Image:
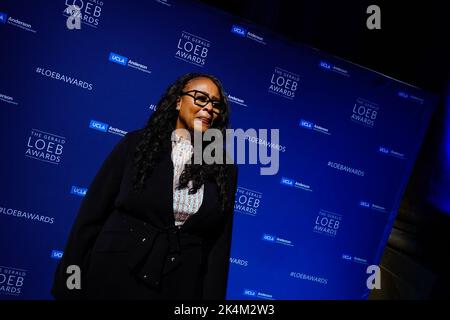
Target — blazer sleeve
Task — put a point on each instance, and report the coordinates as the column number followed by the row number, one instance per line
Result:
column 93, row 212
column 216, row 278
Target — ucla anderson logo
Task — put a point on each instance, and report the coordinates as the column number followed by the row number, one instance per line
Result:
column 56, row 254
column 117, row 58
column 78, row 191
column 97, row 125
column 287, row 181
column 239, row 30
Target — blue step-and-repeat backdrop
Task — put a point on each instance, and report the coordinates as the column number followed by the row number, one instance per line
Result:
column 349, row 138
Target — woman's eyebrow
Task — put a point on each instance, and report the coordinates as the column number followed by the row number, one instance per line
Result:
column 213, row 97
column 207, row 94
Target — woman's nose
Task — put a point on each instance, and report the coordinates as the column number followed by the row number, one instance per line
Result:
column 208, row 106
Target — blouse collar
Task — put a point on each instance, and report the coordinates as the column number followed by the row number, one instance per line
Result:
column 179, row 139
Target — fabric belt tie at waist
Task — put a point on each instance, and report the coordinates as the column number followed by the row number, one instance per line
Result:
column 147, row 259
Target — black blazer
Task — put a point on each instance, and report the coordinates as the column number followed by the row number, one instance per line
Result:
column 127, row 246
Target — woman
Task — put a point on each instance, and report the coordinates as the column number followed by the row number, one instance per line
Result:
column 151, row 225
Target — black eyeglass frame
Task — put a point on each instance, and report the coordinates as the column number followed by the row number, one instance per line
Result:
column 219, row 106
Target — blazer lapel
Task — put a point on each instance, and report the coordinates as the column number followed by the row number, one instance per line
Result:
column 162, row 184
column 163, row 179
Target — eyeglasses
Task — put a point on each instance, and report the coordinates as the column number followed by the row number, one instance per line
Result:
column 201, row 99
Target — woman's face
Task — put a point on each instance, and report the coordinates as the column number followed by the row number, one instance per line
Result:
column 199, row 106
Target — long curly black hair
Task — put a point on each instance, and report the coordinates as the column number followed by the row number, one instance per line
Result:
column 159, row 129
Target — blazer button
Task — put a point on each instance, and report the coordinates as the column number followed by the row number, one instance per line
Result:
column 172, row 259
column 143, row 239
column 131, row 229
column 145, row 276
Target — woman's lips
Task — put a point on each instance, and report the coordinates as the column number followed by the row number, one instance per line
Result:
column 205, row 120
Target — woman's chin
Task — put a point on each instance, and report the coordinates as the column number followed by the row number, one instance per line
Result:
column 202, row 130
column 200, row 126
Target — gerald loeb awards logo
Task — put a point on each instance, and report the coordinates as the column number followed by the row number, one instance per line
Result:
column 44, row 146
column 327, row 223
column 192, row 49
column 11, row 280
column 365, row 112
column 284, row 83
column 82, row 11
column 247, row 201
